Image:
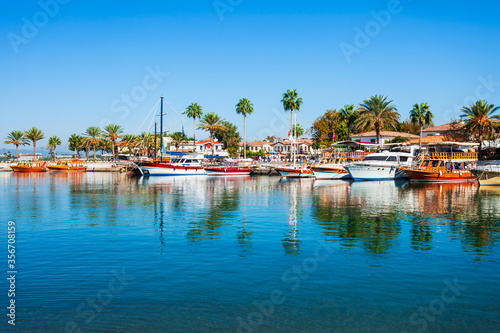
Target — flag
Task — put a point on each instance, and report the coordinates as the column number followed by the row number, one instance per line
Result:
column 334, row 136
column 288, row 134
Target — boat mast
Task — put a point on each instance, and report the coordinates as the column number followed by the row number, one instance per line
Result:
column 156, row 123
column 161, row 129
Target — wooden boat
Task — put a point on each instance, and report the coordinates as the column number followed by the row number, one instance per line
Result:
column 230, row 168
column 330, row 168
column 443, row 167
column 67, row 166
column 487, row 175
column 295, row 171
column 27, row 166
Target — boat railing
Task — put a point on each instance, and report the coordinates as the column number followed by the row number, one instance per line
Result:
column 453, row 156
column 488, row 166
column 352, row 155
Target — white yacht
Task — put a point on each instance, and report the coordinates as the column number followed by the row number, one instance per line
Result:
column 381, row 166
column 186, row 165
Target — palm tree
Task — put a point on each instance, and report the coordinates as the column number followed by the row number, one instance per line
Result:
column 146, row 141
column 244, row 107
column 211, row 122
column 104, row 145
column 194, row 111
column 291, row 101
column 349, row 115
column 34, row 135
column 421, row 115
column 85, row 145
column 377, row 112
column 93, row 134
column 54, row 141
column 17, row 138
column 130, row 142
column 178, row 138
column 75, row 142
column 479, row 118
column 298, row 130
column 113, row 132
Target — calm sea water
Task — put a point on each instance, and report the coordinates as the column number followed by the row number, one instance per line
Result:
column 107, row 253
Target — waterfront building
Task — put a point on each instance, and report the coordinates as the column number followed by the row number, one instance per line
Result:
column 371, row 136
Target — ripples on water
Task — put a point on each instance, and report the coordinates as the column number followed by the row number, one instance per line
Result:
column 209, row 254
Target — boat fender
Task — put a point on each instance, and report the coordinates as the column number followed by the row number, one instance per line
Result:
column 185, row 169
column 392, row 168
column 440, row 173
column 174, row 169
column 460, row 173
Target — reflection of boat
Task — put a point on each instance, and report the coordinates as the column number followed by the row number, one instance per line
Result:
column 186, row 165
column 295, row 171
column 487, row 174
column 29, row 167
column 380, row 166
column 330, row 168
column 68, row 166
column 442, row 166
column 230, row 168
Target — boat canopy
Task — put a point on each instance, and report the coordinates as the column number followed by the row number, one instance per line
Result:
column 354, row 144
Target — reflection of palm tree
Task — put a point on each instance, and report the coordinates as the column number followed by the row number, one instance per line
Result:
column 421, row 236
column 291, row 244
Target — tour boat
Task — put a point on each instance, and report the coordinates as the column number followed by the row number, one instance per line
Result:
column 67, row 166
column 230, row 168
column 330, row 168
column 27, row 166
column 381, row 166
column 440, row 166
column 186, row 165
column 295, row 171
column 487, row 174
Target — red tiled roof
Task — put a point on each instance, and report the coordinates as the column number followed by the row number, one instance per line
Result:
column 432, row 139
column 384, row 133
column 440, row 128
column 257, row 143
column 208, row 141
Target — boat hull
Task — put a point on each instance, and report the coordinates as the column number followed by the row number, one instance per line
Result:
column 370, row 172
column 423, row 176
column 294, row 173
column 487, row 178
column 63, row 169
column 221, row 171
column 329, row 173
column 27, row 169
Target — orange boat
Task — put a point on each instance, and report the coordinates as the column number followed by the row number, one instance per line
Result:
column 443, row 167
column 27, row 166
column 295, row 172
column 68, row 166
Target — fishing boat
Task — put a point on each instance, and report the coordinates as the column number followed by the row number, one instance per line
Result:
column 487, row 174
column 67, row 166
column 297, row 171
column 29, row 166
column 230, row 168
column 381, row 166
column 331, row 165
column 185, row 165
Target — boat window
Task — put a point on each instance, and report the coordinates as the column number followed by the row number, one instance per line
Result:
column 435, row 163
column 403, row 158
column 375, row 158
column 392, row 159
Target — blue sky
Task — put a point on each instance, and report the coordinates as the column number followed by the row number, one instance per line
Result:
column 72, row 65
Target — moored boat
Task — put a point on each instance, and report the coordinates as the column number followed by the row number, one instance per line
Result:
column 295, row 171
column 487, row 174
column 186, row 165
column 441, row 166
column 29, row 166
column 230, row 168
column 67, row 166
column 330, row 168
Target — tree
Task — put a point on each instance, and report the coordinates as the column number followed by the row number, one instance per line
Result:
column 130, row 142
column 349, row 116
column 146, row 142
column 104, row 145
column 34, row 135
column 113, row 132
column 377, row 112
column 298, row 130
column 178, row 138
column 211, row 122
column 323, row 127
column 421, row 115
column 194, row 111
column 479, row 119
column 244, row 107
column 229, row 136
column 272, row 139
column 75, row 142
column 93, row 134
column 16, row 138
column 291, row 101
column 54, row 141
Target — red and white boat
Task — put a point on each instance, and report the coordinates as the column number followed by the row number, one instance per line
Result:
column 230, row 168
column 186, row 165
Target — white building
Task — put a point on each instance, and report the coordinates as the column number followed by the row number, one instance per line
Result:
column 304, row 146
column 371, row 136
